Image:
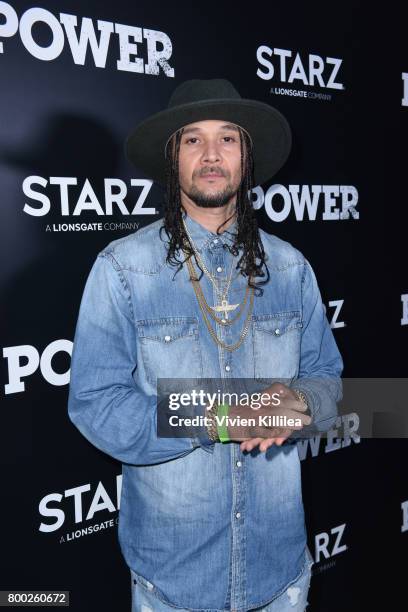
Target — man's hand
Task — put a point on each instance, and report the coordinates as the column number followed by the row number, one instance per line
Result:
column 289, row 407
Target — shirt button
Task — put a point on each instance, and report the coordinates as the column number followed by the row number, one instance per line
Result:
column 238, row 515
column 238, row 463
column 215, row 241
column 277, row 332
column 219, row 269
column 227, row 367
column 167, row 338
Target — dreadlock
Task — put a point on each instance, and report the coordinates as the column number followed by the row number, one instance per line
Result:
column 247, row 235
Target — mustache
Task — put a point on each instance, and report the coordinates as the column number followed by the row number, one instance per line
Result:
column 211, row 170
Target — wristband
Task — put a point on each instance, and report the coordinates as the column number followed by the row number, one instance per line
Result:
column 223, row 410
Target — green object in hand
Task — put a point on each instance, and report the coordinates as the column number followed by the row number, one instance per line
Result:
column 223, row 410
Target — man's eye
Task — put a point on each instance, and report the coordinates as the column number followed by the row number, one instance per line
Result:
column 227, row 138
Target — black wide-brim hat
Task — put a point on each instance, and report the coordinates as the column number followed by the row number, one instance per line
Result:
column 200, row 100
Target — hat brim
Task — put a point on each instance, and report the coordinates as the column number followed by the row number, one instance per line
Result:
column 268, row 128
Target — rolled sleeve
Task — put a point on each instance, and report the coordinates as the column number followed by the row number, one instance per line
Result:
column 321, row 364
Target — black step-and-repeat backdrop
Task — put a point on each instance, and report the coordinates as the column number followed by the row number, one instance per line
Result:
column 75, row 79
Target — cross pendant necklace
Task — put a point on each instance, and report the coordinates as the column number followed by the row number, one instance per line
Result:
column 224, row 307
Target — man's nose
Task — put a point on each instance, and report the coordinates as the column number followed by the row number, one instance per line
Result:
column 211, row 153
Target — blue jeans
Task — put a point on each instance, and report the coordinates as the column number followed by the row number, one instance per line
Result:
column 293, row 599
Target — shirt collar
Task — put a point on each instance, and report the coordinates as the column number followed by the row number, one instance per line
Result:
column 202, row 237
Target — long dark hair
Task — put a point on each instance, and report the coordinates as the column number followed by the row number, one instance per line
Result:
column 247, row 235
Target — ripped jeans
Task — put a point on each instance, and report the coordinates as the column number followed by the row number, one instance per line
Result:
column 294, row 599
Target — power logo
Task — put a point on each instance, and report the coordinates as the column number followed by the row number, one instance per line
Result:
column 306, row 201
column 343, row 432
column 17, row 369
column 128, row 40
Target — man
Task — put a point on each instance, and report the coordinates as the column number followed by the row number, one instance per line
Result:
column 213, row 521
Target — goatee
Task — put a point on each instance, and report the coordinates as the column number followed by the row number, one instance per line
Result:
column 211, row 200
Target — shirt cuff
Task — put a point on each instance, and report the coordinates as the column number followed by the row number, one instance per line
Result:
column 198, row 436
column 202, row 438
column 312, row 406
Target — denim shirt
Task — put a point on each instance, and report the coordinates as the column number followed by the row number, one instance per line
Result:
column 206, row 526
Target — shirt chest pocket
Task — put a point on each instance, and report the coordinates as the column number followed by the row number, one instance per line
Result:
column 170, row 348
column 276, row 342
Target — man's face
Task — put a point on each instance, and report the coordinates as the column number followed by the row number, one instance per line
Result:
column 210, row 163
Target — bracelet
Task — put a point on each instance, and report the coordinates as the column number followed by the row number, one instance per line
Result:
column 212, row 428
column 302, row 397
column 223, row 410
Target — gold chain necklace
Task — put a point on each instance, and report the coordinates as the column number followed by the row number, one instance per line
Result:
column 202, row 302
column 224, row 306
column 210, row 309
column 221, row 295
